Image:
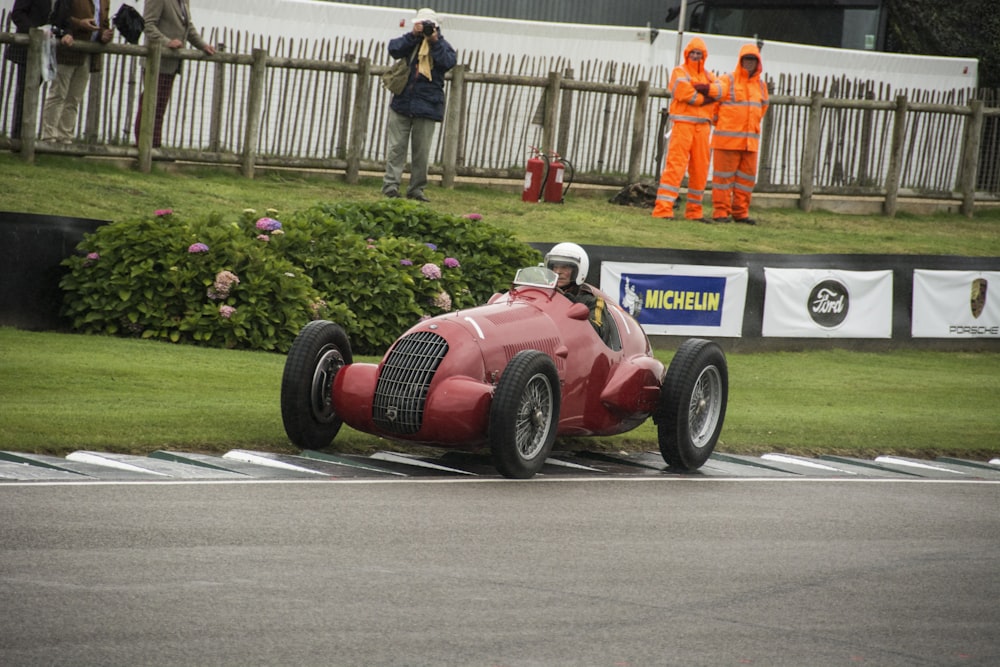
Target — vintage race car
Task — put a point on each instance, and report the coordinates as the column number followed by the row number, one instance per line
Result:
column 511, row 375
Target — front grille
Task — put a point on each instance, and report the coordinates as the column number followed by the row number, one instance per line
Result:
column 406, row 376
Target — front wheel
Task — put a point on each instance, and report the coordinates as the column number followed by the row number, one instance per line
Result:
column 693, row 402
column 524, row 415
column 307, row 408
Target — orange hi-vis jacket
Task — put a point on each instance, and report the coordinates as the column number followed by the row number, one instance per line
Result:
column 687, row 105
column 742, row 104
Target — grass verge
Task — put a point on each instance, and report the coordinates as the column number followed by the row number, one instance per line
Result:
column 64, row 392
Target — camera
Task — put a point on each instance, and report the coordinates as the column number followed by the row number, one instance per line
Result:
column 429, row 28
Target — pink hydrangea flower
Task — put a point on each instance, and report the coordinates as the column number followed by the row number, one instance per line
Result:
column 224, row 281
column 197, row 247
column 443, row 301
column 451, row 263
column 432, row 271
column 473, row 216
column 268, row 224
column 263, row 237
column 93, row 256
column 161, row 212
column 226, row 311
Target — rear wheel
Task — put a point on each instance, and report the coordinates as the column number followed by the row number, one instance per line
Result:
column 307, row 407
column 693, row 403
column 524, row 415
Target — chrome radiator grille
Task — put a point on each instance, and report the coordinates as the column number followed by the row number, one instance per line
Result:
column 402, row 386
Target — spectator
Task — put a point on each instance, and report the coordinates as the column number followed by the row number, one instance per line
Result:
column 73, row 20
column 169, row 23
column 27, row 14
column 414, row 113
column 742, row 104
column 693, row 89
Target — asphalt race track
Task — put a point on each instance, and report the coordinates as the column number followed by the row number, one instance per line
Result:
column 616, row 562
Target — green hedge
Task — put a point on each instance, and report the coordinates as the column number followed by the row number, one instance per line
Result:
column 254, row 282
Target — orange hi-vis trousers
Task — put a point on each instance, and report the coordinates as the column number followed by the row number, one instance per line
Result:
column 734, row 175
column 687, row 152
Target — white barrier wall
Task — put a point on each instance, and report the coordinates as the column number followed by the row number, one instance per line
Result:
column 576, row 43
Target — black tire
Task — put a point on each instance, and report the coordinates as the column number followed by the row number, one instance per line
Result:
column 319, row 351
column 524, row 415
column 693, row 403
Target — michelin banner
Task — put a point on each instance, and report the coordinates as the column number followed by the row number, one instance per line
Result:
column 956, row 304
column 827, row 303
column 679, row 300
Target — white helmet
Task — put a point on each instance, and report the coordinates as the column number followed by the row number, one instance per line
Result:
column 573, row 255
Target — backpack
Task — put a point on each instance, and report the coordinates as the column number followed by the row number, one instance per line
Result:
column 129, row 23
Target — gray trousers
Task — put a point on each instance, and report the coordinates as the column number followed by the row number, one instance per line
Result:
column 418, row 133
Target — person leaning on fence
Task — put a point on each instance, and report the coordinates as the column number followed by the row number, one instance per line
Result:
column 693, row 90
column 169, row 23
column 73, row 21
column 26, row 14
column 414, row 113
column 735, row 142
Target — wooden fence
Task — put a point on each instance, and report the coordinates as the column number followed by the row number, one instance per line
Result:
column 319, row 105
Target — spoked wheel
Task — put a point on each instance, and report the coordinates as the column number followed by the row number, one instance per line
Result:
column 319, row 351
column 693, row 403
column 524, row 415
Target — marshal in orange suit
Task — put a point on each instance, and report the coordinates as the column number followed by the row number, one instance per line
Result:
column 693, row 91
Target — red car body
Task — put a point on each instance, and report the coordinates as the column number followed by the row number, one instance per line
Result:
column 604, row 391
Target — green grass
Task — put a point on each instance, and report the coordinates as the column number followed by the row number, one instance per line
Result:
column 65, row 392
column 95, row 189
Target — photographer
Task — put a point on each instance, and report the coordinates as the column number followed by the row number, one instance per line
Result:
column 414, row 112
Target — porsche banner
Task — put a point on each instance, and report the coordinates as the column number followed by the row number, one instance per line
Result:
column 956, row 304
column 827, row 303
column 679, row 300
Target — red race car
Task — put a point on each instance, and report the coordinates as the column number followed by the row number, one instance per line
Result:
column 511, row 375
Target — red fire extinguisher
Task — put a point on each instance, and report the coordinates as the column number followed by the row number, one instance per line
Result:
column 535, row 176
column 553, row 192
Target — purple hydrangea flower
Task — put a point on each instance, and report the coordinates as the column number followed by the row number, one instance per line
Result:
column 431, row 246
column 451, row 263
column 406, row 262
column 268, row 224
column 197, row 247
column 432, row 271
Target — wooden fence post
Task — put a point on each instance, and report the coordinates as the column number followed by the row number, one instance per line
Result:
column 638, row 131
column 810, row 152
column 865, row 145
column 255, row 103
column 970, row 160
column 765, row 167
column 346, row 98
column 91, row 126
column 565, row 117
column 218, row 93
column 452, row 124
column 150, row 86
column 32, row 94
column 359, row 122
column 894, row 173
column 551, row 109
